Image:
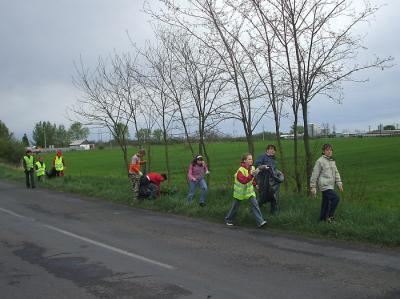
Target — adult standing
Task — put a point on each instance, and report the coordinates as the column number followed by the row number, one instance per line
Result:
column 266, row 162
column 59, row 163
column 135, row 173
column 28, row 162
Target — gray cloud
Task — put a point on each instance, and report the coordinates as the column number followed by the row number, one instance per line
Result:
column 41, row 39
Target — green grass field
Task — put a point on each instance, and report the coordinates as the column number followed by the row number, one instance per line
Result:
column 368, row 212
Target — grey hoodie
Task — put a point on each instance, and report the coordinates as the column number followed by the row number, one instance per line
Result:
column 326, row 174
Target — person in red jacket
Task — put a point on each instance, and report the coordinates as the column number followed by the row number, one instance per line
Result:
column 156, row 179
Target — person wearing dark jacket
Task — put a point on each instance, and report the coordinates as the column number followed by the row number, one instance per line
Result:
column 269, row 178
column 28, row 162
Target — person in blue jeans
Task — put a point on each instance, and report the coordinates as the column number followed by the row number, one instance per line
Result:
column 197, row 170
column 325, row 176
column 243, row 190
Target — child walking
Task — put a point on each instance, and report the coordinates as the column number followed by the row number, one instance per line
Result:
column 243, row 189
column 197, row 170
column 326, row 175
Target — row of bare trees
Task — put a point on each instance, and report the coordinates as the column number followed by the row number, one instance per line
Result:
column 213, row 60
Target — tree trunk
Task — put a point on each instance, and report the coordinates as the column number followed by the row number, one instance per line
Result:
column 148, row 159
column 166, row 155
column 250, row 142
column 296, row 155
column 307, row 149
column 281, row 153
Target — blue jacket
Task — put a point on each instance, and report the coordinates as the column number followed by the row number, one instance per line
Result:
column 264, row 159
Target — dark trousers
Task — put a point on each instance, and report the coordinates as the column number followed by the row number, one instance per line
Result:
column 30, row 178
column 269, row 197
column 266, row 194
column 330, row 200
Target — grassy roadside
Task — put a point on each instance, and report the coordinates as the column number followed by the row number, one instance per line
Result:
column 367, row 222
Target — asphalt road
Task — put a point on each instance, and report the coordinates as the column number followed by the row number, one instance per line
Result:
column 57, row 245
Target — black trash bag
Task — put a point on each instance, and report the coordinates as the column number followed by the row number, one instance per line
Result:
column 51, row 173
column 149, row 191
column 146, row 188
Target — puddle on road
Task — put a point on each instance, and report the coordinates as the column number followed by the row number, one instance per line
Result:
column 96, row 278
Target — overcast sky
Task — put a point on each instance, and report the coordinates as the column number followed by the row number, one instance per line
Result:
column 41, row 39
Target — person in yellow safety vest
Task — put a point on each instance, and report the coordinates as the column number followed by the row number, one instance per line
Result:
column 40, row 169
column 28, row 161
column 59, row 164
column 243, row 189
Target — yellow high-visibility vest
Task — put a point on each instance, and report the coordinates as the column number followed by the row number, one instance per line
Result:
column 28, row 162
column 41, row 168
column 243, row 191
column 58, row 164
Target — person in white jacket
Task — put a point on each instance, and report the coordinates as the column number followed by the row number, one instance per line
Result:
column 325, row 175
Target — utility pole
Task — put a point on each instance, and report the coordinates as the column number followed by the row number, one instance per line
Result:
column 44, row 134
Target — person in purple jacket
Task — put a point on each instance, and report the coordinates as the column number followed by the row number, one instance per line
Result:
column 197, row 170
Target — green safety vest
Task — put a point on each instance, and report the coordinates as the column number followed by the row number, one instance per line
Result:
column 28, row 162
column 41, row 168
column 59, row 164
column 243, row 191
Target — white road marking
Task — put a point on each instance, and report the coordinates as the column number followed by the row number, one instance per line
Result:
column 112, row 248
column 14, row 214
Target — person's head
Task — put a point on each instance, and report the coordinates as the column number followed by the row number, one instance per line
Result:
column 141, row 153
column 164, row 176
column 29, row 152
column 270, row 150
column 198, row 159
column 59, row 153
column 327, row 150
column 248, row 159
column 40, row 158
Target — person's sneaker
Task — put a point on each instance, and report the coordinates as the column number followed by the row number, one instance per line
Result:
column 228, row 223
column 202, row 204
column 330, row 219
column 262, row 224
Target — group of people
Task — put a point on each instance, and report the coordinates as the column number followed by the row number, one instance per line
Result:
column 264, row 176
column 261, row 176
column 35, row 168
column 144, row 185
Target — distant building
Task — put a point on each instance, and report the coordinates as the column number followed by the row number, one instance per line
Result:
column 313, row 130
column 382, row 133
column 80, row 144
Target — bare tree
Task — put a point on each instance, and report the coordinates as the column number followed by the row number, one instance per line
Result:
column 105, row 99
column 151, row 76
column 324, row 50
column 218, row 28
column 199, row 71
column 149, row 116
column 264, row 52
